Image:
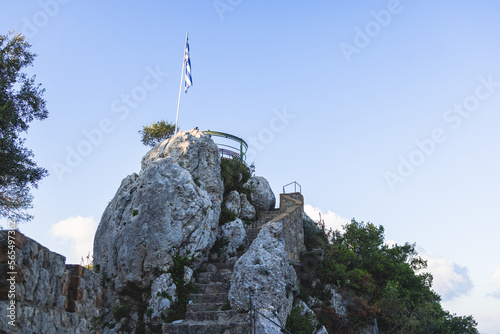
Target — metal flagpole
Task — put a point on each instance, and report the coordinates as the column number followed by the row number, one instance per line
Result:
column 180, row 88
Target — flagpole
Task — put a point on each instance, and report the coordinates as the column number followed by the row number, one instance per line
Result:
column 180, row 87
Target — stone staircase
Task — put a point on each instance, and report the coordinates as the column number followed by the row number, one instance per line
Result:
column 208, row 311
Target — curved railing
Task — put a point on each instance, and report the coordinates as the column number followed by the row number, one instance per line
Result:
column 227, row 146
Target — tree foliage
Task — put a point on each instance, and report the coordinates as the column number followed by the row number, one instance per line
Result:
column 234, row 174
column 377, row 280
column 156, row 133
column 21, row 101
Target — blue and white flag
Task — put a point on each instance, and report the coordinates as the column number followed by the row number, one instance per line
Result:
column 188, row 81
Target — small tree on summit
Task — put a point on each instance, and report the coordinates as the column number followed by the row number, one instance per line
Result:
column 156, row 132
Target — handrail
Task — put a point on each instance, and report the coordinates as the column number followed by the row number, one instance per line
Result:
column 252, row 317
column 272, row 321
column 232, row 151
column 295, row 187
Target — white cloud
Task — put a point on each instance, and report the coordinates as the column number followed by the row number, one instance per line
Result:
column 79, row 231
column 450, row 279
column 332, row 220
column 495, row 279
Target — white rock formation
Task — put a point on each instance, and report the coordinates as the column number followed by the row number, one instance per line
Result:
column 261, row 193
column 235, row 233
column 264, row 272
column 172, row 205
column 233, row 202
column 163, row 294
column 247, row 211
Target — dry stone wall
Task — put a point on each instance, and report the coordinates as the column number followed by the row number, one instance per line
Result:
column 50, row 296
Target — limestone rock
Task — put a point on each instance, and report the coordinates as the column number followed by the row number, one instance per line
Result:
column 247, row 211
column 305, row 310
column 172, row 205
column 322, row 330
column 234, row 232
column 194, row 151
column 163, row 295
column 264, row 325
column 233, row 202
column 264, row 272
column 338, row 303
column 261, row 193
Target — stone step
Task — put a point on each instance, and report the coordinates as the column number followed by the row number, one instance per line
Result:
column 208, row 277
column 197, row 307
column 208, row 298
column 207, row 327
column 212, row 287
column 211, row 267
column 211, row 315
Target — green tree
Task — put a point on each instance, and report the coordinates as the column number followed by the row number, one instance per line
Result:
column 156, row 132
column 21, row 101
column 378, row 281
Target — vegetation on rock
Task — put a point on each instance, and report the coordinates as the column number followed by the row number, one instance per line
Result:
column 376, row 281
column 234, row 174
column 156, row 132
column 300, row 322
column 183, row 288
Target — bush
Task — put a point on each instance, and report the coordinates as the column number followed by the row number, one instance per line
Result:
column 298, row 323
column 226, row 216
column 156, row 133
column 376, row 281
column 122, row 311
column 219, row 246
column 234, row 174
column 183, row 288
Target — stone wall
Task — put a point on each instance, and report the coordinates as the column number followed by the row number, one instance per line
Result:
column 291, row 209
column 50, row 296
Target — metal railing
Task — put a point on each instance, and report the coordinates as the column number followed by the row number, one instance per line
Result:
column 253, row 312
column 238, row 151
column 295, row 184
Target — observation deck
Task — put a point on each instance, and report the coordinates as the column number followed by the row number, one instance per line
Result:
column 229, row 145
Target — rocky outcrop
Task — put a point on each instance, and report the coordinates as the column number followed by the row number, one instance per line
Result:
column 239, row 204
column 195, row 152
column 235, row 234
column 261, row 193
column 172, row 206
column 163, row 295
column 263, row 272
column 247, row 210
column 233, row 202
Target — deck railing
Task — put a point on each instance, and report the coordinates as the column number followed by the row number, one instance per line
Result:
column 230, row 145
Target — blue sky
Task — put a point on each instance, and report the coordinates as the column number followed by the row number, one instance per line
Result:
column 385, row 111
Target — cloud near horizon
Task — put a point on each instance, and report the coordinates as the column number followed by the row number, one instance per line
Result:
column 450, row 279
column 332, row 220
column 495, row 279
column 79, row 231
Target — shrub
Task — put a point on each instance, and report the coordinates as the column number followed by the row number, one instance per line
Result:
column 226, row 216
column 156, row 133
column 219, row 246
column 299, row 323
column 184, row 289
column 234, row 174
column 122, row 311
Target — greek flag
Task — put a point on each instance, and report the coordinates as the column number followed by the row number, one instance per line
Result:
column 188, row 81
